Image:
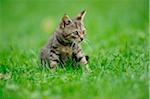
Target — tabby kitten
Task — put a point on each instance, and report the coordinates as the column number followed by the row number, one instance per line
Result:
column 65, row 43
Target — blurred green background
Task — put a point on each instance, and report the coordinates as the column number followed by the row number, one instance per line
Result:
column 117, row 43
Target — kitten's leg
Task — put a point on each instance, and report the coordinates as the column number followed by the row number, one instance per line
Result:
column 85, row 64
column 53, row 64
column 53, row 59
column 80, row 57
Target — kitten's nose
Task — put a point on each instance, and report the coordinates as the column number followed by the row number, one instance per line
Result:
column 81, row 39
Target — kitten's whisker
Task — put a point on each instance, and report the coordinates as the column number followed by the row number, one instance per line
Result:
column 86, row 41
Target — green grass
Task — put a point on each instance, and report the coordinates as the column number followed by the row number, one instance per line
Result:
column 117, row 33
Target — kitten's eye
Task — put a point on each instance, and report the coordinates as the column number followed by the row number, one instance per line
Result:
column 76, row 33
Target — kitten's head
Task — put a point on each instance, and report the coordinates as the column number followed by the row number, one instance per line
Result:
column 73, row 29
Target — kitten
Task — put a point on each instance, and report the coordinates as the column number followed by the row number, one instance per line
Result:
column 65, row 43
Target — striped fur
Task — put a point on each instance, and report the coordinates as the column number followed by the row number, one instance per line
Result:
column 65, row 43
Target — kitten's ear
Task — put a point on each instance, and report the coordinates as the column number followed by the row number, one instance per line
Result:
column 65, row 20
column 80, row 17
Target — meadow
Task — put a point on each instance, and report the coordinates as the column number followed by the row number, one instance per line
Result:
column 116, row 42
